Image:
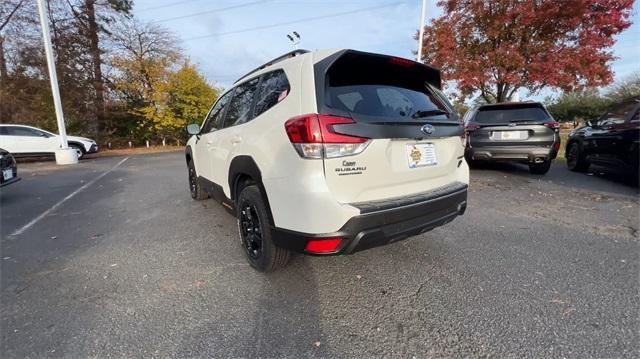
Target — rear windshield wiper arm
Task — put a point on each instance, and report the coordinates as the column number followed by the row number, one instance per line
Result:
column 429, row 113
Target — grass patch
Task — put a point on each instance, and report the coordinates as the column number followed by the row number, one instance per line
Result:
column 135, row 151
column 564, row 134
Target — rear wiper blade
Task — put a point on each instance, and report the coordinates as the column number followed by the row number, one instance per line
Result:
column 429, row 113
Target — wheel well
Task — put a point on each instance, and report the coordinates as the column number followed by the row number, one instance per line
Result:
column 187, row 155
column 77, row 144
column 241, row 181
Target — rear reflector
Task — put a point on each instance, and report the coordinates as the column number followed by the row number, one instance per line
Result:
column 324, row 245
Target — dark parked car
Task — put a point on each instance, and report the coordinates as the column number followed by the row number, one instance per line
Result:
column 516, row 132
column 611, row 140
column 8, row 167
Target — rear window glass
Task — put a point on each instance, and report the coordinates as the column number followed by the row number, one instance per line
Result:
column 513, row 114
column 376, row 89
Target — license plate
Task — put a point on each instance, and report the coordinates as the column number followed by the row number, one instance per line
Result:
column 421, row 154
column 510, row 135
column 7, row 174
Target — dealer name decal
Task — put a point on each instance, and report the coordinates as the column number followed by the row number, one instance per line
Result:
column 350, row 168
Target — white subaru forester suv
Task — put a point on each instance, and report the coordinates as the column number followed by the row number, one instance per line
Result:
column 331, row 152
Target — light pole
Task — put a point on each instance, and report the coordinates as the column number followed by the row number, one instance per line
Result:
column 64, row 155
column 421, row 31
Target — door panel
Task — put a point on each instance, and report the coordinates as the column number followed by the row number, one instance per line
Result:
column 607, row 139
column 28, row 140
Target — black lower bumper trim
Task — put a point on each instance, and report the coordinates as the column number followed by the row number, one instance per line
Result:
column 512, row 153
column 380, row 227
column 8, row 182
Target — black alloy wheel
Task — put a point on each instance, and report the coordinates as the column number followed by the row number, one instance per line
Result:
column 250, row 230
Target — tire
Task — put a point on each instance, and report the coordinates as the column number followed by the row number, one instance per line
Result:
column 575, row 158
column 540, row 168
column 79, row 150
column 255, row 234
column 197, row 192
column 472, row 164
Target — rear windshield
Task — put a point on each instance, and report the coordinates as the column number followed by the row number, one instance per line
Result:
column 511, row 114
column 375, row 89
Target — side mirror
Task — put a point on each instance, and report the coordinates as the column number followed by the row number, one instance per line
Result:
column 193, row 129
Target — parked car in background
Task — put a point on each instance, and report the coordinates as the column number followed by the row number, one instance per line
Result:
column 521, row 132
column 23, row 141
column 611, row 140
column 8, row 168
column 330, row 152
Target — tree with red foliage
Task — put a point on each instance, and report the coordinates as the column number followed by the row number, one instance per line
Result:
column 495, row 47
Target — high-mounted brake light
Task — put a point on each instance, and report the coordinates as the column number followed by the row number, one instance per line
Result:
column 314, row 136
column 402, row 62
column 323, row 245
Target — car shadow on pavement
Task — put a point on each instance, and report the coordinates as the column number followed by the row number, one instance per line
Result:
column 599, row 179
column 276, row 316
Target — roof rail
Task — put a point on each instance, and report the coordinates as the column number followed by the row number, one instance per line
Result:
column 277, row 59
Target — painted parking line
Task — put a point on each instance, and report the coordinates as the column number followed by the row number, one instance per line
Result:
column 71, row 195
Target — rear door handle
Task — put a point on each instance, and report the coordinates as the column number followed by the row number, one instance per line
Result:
column 236, row 139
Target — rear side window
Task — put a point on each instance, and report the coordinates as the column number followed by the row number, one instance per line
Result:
column 511, row 114
column 3, row 130
column 273, row 89
column 378, row 89
column 214, row 119
column 23, row 131
column 240, row 106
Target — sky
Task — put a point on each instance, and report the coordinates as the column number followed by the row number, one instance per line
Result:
column 228, row 38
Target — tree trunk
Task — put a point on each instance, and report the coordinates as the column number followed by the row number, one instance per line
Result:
column 98, row 84
column 3, row 62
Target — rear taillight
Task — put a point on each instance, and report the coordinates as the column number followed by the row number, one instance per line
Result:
column 314, row 136
column 554, row 125
column 323, row 245
column 465, row 133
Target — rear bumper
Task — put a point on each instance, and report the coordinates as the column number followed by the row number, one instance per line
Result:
column 383, row 222
column 511, row 153
column 13, row 179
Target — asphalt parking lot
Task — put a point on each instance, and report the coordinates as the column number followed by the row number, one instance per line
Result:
column 130, row 266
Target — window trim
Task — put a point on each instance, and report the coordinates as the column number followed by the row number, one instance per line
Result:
column 224, row 112
column 253, row 102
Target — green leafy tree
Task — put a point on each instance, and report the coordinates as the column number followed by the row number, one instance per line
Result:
column 577, row 106
column 184, row 97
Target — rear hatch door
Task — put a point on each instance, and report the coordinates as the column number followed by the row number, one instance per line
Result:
column 414, row 133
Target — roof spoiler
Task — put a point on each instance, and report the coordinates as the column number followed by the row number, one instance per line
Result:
column 288, row 55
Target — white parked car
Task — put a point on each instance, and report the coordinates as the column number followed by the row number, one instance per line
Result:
column 23, row 140
column 331, row 152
